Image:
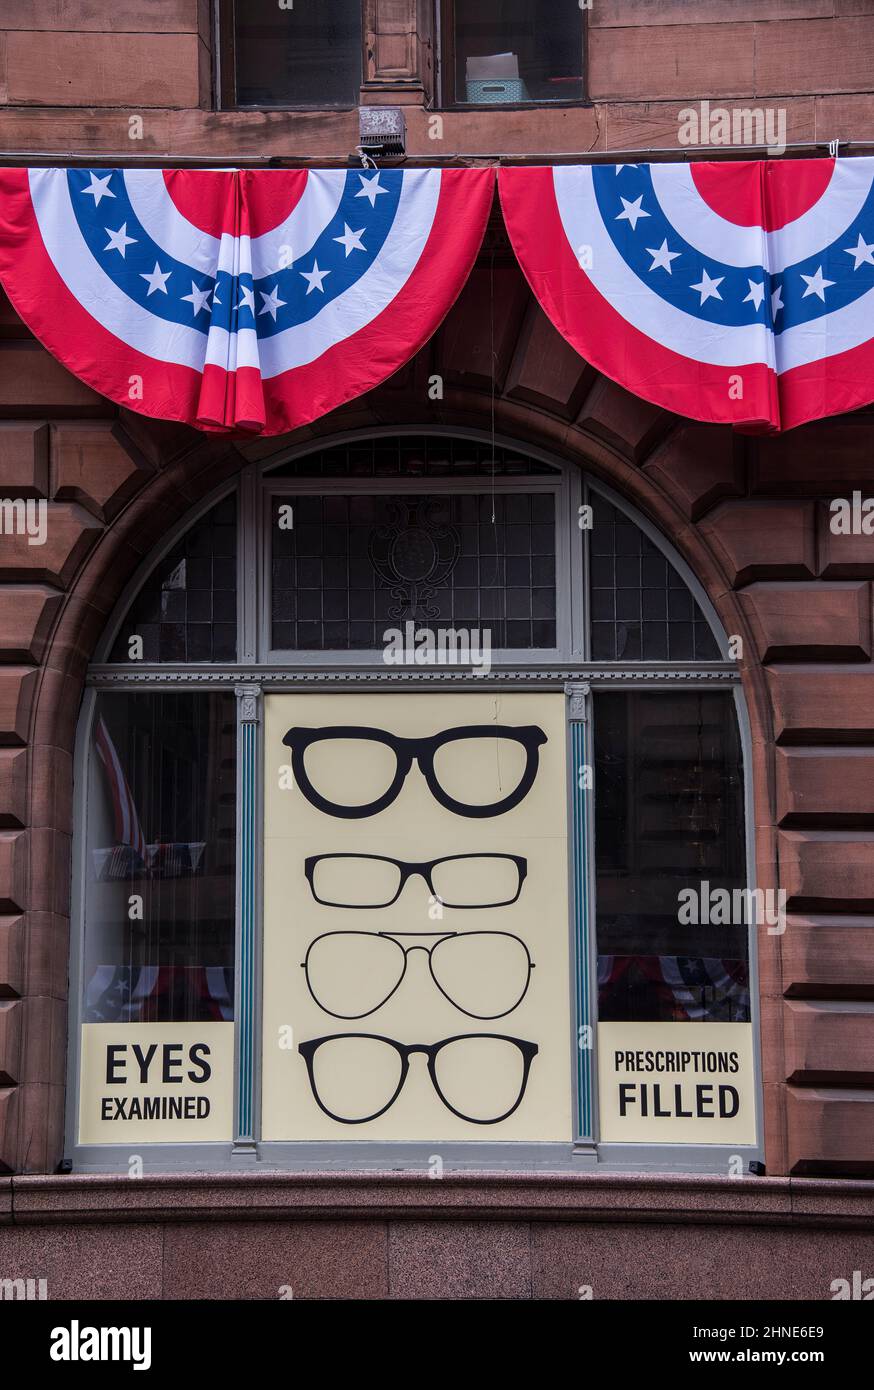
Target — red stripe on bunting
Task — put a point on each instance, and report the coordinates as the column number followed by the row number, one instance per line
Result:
column 831, row 386
column 371, row 356
column 54, row 316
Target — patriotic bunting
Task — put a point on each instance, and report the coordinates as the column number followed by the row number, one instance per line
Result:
column 739, row 293
column 237, row 300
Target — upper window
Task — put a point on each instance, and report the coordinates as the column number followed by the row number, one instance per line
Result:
column 305, row 54
column 503, row 52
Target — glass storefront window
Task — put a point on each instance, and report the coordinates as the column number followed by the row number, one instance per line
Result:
column 327, row 901
column 157, row 1034
column 669, row 819
column 675, row 1039
column 159, row 891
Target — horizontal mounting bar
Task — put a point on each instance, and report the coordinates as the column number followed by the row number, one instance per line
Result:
column 93, row 159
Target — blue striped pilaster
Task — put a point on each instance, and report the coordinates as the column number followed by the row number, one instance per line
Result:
column 248, row 787
column 581, row 810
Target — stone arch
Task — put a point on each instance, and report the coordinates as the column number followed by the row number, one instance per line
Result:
column 673, row 473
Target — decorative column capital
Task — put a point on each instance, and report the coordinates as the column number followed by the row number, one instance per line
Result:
column 250, row 703
column 577, row 693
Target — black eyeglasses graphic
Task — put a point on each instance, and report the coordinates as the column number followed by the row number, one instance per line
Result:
column 419, row 750
column 484, row 974
column 375, row 1069
column 458, row 881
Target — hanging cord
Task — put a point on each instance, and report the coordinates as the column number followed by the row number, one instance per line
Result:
column 494, row 367
column 493, row 461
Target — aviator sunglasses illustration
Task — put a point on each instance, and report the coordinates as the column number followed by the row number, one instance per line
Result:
column 352, row 974
column 374, row 881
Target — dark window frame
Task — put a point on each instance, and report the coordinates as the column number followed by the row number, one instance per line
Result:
column 226, row 69
column 445, row 31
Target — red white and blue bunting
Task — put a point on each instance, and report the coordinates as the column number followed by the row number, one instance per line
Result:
column 739, row 293
column 237, row 300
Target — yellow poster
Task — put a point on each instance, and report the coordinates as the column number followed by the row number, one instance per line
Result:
column 676, row 1083
column 416, row 953
column 156, row 1083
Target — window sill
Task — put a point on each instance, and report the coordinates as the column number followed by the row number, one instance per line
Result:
column 337, row 108
column 545, row 105
column 618, row 1197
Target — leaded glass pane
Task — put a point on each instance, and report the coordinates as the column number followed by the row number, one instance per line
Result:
column 187, row 609
column 641, row 609
column 346, row 569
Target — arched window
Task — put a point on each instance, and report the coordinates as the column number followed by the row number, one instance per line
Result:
column 411, row 808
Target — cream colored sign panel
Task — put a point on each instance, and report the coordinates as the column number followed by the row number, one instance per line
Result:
column 156, row 1082
column 676, row 1083
column 371, row 944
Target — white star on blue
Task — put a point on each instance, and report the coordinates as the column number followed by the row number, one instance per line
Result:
column 674, row 269
column 270, row 301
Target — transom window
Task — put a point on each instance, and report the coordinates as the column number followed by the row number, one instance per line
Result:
column 435, row 533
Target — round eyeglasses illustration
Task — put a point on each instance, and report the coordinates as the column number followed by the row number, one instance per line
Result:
column 423, row 751
column 457, row 881
column 484, row 974
column 480, row 1077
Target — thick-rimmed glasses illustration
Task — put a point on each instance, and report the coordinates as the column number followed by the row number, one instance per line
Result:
column 423, row 751
column 460, row 881
column 356, row 1077
column 484, row 974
